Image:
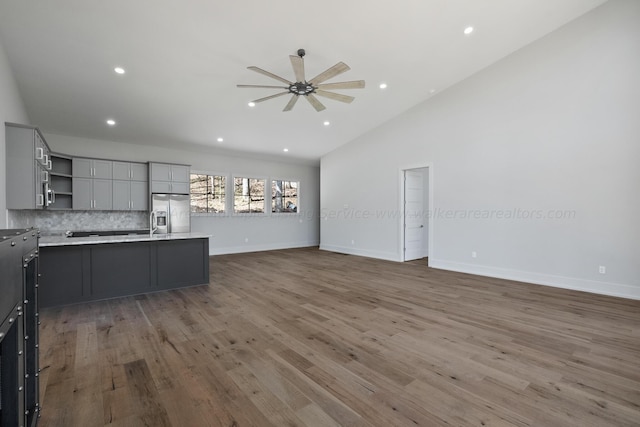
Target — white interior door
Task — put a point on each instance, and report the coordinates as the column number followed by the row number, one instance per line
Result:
column 414, row 218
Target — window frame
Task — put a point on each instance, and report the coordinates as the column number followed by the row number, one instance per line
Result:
column 226, row 194
column 233, row 194
column 297, row 212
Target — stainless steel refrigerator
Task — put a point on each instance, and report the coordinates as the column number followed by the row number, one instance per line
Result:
column 170, row 213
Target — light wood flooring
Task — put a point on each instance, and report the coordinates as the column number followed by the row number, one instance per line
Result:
column 310, row 338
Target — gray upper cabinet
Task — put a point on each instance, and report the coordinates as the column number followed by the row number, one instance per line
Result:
column 139, row 196
column 130, row 190
column 121, row 195
column 168, row 178
column 28, row 163
column 130, row 195
column 92, row 168
column 81, row 183
column 130, row 171
column 92, row 194
column 92, row 185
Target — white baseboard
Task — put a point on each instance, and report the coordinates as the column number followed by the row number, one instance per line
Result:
column 592, row 286
column 388, row 256
column 258, row 248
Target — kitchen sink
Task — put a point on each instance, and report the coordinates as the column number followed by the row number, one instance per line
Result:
column 106, row 233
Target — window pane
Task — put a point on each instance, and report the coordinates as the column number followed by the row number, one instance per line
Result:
column 217, row 200
column 198, row 202
column 207, row 193
column 248, row 195
column 284, row 196
column 199, row 183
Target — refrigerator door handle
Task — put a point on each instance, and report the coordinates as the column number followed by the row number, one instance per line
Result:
column 153, row 224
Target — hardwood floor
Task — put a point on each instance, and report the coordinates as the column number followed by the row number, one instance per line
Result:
column 310, row 338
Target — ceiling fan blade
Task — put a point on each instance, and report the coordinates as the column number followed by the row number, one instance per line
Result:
column 339, row 68
column 314, row 102
column 336, row 96
column 266, row 73
column 291, row 103
column 298, row 67
column 357, row 84
column 270, row 97
column 266, row 87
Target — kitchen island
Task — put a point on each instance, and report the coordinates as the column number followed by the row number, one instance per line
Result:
column 80, row 269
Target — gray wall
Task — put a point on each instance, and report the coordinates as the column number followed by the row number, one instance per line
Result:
column 231, row 233
column 534, row 165
column 11, row 110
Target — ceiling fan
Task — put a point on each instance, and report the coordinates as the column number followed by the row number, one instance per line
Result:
column 308, row 88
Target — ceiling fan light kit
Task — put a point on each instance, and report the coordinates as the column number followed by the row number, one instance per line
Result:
column 308, row 88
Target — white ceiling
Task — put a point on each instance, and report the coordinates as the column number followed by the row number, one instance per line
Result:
column 184, row 58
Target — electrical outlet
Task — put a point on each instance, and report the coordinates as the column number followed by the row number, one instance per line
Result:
column 602, row 269
column 474, row 254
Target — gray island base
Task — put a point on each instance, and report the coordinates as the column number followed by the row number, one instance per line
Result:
column 77, row 270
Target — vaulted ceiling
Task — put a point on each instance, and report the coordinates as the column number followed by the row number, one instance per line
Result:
column 183, row 60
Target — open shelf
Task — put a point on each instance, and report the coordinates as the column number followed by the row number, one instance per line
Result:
column 61, row 165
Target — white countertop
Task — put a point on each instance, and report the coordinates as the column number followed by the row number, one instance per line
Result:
column 94, row 240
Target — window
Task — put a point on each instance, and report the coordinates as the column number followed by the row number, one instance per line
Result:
column 284, row 196
column 248, row 195
column 208, row 193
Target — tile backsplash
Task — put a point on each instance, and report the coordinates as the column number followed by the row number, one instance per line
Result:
column 58, row 222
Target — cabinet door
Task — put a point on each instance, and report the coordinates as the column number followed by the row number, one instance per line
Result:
column 61, row 275
column 139, row 172
column 121, row 195
column 120, row 269
column 81, row 168
column 160, row 187
column 82, row 193
column 180, row 173
column 180, row 187
column 41, row 177
column 103, row 194
column 102, row 169
column 121, row 170
column 160, row 172
column 139, row 196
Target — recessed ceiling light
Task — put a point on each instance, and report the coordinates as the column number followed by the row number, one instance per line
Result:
column 383, row 86
column 285, row 150
column 111, row 122
column 119, row 70
column 326, row 123
column 468, row 30
column 220, row 139
column 251, row 104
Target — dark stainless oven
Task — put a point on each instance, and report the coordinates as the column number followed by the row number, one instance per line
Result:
column 11, row 365
column 19, row 372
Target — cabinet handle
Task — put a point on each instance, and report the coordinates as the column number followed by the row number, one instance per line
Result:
column 45, row 175
column 40, row 200
column 39, row 153
column 45, row 160
column 49, row 164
